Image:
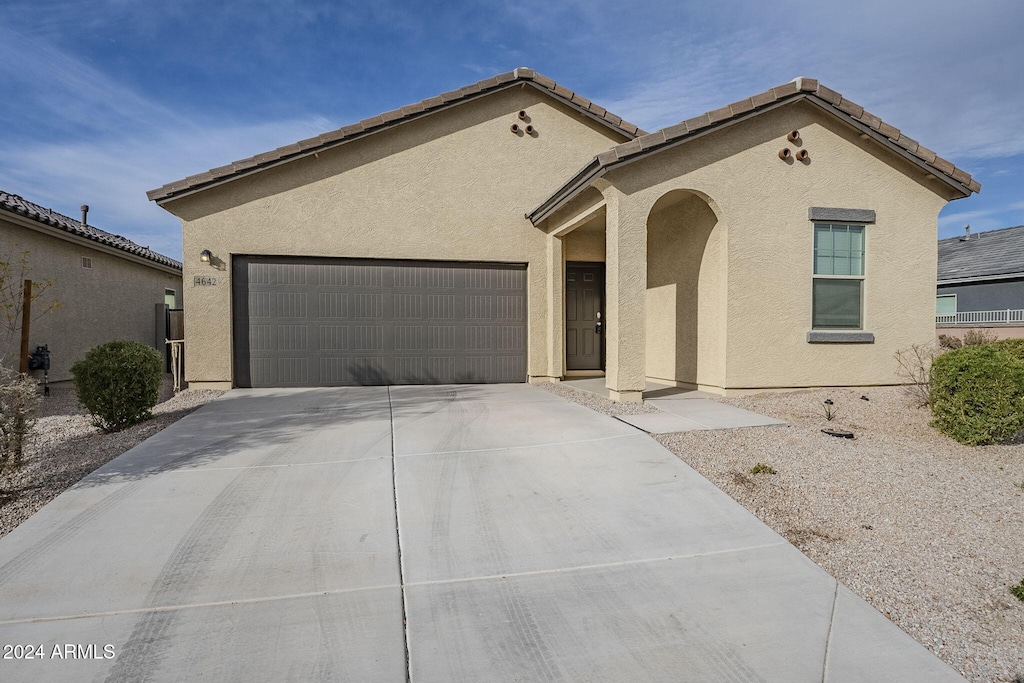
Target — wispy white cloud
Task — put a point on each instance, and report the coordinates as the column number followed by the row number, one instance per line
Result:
column 950, row 82
column 112, row 175
column 123, row 144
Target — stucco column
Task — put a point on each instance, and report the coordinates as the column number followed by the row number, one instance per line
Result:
column 626, row 293
column 556, row 307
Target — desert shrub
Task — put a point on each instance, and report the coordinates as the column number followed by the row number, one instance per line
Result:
column 947, row 341
column 118, row 383
column 977, row 337
column 977, row 394
column 914, row 368
column 19, row 401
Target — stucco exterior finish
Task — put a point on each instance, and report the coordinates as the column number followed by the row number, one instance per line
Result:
column 452, row 186
column 687, row 273
column 115, row 299
column 764, row 202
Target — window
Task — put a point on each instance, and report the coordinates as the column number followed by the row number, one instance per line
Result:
column 169, row 298
column 87, row 262
column 837, row 289
column 945, row 304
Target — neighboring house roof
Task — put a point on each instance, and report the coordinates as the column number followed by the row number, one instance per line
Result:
column 22, row 207
column 992, row 255
column 801, row 88
column 390, row 119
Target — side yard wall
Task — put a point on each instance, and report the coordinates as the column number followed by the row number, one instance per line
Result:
column 115, row 299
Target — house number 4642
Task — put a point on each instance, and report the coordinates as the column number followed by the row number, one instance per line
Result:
column 204, row 281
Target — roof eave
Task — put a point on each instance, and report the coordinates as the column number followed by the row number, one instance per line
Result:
column 60, row 233
column 596, row 169
column 979, row 278
column 167, row 193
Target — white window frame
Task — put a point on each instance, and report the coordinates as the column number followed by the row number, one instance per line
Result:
column 945, row 296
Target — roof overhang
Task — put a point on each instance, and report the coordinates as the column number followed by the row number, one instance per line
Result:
column 66, row 236
column 522, row 77
column 804, row 89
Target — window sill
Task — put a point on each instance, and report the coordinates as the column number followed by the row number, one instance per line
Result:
column 840, row 337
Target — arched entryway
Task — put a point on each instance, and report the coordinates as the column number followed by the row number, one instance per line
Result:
column 686, row 291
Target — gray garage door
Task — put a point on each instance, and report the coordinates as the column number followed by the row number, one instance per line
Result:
column 305, row 322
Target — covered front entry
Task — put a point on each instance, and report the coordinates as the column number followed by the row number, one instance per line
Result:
column 305, row 322
column 584, row 316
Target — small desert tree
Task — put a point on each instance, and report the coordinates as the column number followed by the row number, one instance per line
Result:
column 15, row 268
column 914, row 366
column 19, row 400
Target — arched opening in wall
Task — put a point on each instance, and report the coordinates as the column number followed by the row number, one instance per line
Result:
column 686, row 290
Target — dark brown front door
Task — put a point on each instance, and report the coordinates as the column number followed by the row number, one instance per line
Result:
column 584, row 316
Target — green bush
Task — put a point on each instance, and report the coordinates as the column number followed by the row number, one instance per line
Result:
column 118, row 382
column 1014, row 347
column 977, row 394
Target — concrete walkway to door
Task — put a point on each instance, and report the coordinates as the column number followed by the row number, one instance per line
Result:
column 464, row 533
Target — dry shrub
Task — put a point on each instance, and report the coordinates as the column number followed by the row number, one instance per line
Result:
column 914, row 369
column 19, row 401
column 978, row 337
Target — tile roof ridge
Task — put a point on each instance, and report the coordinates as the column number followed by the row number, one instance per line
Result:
column 799, row 86
column 19, row 205
column 387, row 119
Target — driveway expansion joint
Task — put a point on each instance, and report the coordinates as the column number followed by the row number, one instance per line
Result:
column 588, row 567
column 398, row 541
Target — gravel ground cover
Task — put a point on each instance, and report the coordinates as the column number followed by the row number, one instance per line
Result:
column 64, row 447
column 928, row 531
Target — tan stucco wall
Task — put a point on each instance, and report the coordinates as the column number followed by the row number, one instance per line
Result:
column 764, row 203
column 686, row 292
column 114, row 300
column 585, row 245
column 451, row 186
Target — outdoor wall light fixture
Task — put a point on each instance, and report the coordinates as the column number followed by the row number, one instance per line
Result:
column 205, row 256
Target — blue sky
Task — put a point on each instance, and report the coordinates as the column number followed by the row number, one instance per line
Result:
column 105, row 99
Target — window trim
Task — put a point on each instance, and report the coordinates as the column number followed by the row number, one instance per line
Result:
column 946, row 296
column 859, row 278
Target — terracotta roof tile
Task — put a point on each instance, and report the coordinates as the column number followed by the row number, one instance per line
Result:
column 720, row 114
column 909, row 144
column 809, row 84
column 677, row 130
column 697, row 122
column 851, row 108
column 804, row 88
column 829, row 95
column 762, row 99
column 578, row 99
column 926, row 154
column 891, row 132
column 741, row 107
column 544, row 81
column 652, row 139
column 785, row 89
column 943, row 166
column 375, row 123
column 17, row 205
column 628, row 148
column 870, row 120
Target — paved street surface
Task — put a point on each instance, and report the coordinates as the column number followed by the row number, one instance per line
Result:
column 470, row 533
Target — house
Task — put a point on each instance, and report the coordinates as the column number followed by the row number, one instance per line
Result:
column 981, row 283
column 107, row 286
column 513, row 231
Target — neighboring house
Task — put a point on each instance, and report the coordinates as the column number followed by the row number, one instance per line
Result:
column 514, row 230
column 108, row 287
column 981, row 283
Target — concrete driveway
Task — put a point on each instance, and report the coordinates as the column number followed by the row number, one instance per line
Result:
column 471, row 533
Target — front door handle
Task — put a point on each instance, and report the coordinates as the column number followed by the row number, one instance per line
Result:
column 598, row 327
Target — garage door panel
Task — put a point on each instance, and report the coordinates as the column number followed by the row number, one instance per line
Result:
column 331, row 322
